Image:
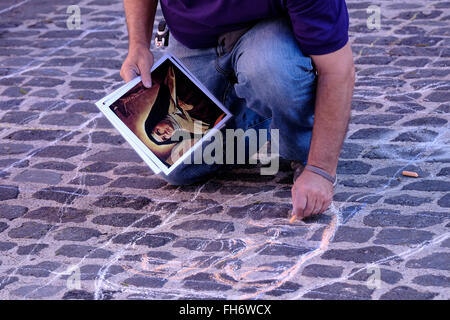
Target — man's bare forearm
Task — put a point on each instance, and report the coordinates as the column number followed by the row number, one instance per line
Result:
column 332, row 114
column 140, row 15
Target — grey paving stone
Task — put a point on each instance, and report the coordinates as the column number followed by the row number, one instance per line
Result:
column 437, row 260
column 11, row 212
column 428, row 185
column 59, row 214
column 37, row 134
column 430, row 280
column 115, row 155
column 360, row 255
column 93, row 271
column 36, row 291
column 7, row 149
column 353, row 167
column 7, row 280
column 444, row 201
column 322, row 271
column 145, row 281
column 61, row 152
column 138, row 183
column 90, row 180
column 5, row 246
column 40, row 270
column 204, row 282
column 77, row 234
column 402, row 236
column 117, row 200
column 32, row 249
column 39, row 176
column 128, row 219
column 207, row 245
column 8, row 192
column 393, row 218
column 55, row 165
column 99, row 167
column 154, row 240
column 351, row 234
column 407, row 293
column 386, row 275
column 64, row 119
column 3, row 226
column 407, row 200
column 78, row 295
column 30, row 230
column 264, row 210
column 204, row 225
column 82, row 251
column 340, row 291
column 64, row 195
column 283, row 249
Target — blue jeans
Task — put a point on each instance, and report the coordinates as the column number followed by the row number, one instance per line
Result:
column 275, row 89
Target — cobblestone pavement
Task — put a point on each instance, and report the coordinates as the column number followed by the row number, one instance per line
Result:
column 77, row 202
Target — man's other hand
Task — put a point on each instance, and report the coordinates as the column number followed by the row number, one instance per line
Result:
column 138, row 62
column 311, row 195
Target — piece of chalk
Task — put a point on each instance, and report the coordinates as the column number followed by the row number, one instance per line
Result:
column 293, row 218
column 410, row 174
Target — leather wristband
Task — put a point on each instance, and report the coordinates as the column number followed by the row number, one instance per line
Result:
column 321, row 173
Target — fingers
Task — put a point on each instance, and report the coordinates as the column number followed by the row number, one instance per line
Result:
column 128, row 73
column 299, row 205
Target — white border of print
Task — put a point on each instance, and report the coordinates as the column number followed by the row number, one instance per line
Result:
column 143, row 151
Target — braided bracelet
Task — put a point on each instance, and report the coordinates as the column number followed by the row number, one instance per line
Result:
column 321, row 173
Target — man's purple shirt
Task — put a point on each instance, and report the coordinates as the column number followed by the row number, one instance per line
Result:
column 320, row 26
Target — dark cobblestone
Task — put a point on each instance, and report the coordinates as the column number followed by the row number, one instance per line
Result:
column 38, row 176
column 407, row 200
column 128, row 219
column 32, row 249
column 340, row 291
column 8, row 192
column 260, row 211
column 30, row 230
column 80, row 251
column 58, row 214
column 430, row 280
column 90, row 180
column 393, row 218
column 11, row 212
column 204, row 281
column 359, row 255
column 99, row 167
column 77, row 234
column 402, row 236
column 116, row 200
column 65, row 195
column 355, row 235
column 407, row 293
column 138, row 183
column 386, row 275
column 61, row 152
column 437, row 260
column 55, row 165
column 141, row 238
column 40, row 270
column 322, row 271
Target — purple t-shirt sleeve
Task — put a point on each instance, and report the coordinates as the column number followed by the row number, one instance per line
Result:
column 320, row 26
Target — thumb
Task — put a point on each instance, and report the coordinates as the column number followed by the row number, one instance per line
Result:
column 144, row 69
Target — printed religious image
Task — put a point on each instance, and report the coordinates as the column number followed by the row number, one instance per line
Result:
column 171, row 116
